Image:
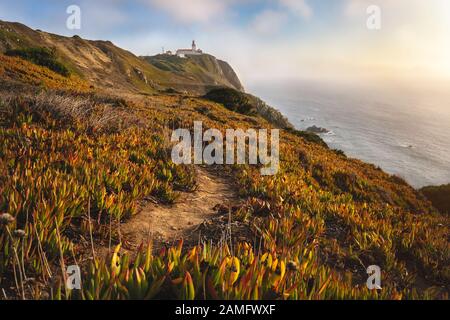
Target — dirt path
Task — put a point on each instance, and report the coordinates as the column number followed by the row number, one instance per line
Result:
column 165, row 224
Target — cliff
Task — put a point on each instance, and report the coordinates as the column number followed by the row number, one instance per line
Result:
column 199, row 73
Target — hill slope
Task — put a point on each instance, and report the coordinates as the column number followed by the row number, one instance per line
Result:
column 107, row 66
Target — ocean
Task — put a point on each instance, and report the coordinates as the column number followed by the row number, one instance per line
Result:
column 404, row 130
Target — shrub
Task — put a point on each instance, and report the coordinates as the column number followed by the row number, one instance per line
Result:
column 439, row 197
column 347, row 182
column 247, row 104
column 42, row 57
column 19, row 75
column 339, row 152
column 232, row 99
column 308, row 136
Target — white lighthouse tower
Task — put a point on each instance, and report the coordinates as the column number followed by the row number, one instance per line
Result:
column 194, row 46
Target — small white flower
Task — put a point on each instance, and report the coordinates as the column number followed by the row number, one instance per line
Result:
column 6, row 218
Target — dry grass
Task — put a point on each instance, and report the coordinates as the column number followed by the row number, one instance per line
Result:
column 95, row 113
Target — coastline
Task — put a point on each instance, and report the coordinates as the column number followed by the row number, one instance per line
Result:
column 366, row 128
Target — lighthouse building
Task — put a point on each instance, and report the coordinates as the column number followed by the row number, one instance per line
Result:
column 182, row 53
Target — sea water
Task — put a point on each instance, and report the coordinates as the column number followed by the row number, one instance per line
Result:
column 404, row 130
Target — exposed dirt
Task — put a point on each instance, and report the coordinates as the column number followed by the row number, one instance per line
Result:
column 187, row 218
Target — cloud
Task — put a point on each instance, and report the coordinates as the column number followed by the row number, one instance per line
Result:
column 101, row 16
column 268, row 22
column 298, row 7
column 414, row 39
column 414, row 35
column 192, row 11
column 399, row 10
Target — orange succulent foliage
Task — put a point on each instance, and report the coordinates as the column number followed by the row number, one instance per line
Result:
column 17, row 69
column 321, row 220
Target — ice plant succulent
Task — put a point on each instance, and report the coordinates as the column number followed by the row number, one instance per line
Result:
column 75, row 163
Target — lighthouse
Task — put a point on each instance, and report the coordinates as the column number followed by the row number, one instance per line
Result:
column 182, row 53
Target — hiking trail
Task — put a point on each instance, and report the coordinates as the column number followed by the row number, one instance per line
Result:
column 165, row 224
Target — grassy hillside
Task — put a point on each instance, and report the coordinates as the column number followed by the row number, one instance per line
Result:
column 77, row 163
column 112, row 68
column 16, row 71
column 41, row 57
column 68, row 159
column 439, row 197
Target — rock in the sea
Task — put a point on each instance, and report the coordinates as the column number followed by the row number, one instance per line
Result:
column 315, row 129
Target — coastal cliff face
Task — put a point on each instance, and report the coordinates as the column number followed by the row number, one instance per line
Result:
column 199, row 73
column 230, row 75
column 84, row 129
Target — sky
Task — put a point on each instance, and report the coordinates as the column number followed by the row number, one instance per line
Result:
column 266, row 40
